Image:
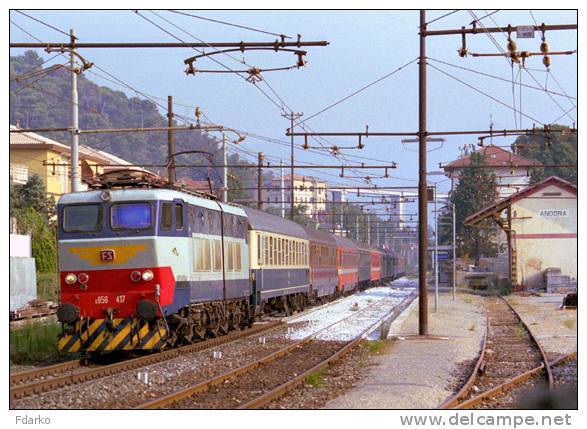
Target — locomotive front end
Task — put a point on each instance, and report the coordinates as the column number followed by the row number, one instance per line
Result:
column 114, row 288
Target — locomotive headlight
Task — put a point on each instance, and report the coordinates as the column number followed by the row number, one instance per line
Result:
column 70, row 278
column 148, row 275
column 83, row 278
column 135, row 276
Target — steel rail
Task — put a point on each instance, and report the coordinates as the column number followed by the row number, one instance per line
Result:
column 535, row 340
column 21, row 377
column 243, row 369
column 20, row 391
column 281, row 390
column 454, row 401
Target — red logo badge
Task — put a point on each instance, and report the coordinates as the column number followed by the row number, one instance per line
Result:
column 107, row 255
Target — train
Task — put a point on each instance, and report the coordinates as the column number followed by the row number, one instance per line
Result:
column 149, row 268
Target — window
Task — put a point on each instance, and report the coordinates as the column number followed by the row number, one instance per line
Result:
column 259, row 254
column 202, row 259
column 82, row 218
column 131, row 216
column 230, row 255
column 178, row 216
column 237, row 257
column 270, row 261
column 166, row 216
column 217, row 255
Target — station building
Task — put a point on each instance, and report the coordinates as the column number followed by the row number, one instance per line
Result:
column 540, row 223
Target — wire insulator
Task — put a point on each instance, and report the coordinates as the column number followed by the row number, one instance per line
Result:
column 546, row 61
column 544, row 47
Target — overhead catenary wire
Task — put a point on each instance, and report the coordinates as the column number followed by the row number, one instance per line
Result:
column 485, row 94
column 525, row 85
column 244, row 27
column 43, row 23
column 359, row 91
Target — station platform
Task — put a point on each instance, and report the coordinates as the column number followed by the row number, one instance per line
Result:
column 421, row 373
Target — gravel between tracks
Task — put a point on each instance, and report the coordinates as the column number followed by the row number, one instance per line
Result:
column 126, row 391
column 235, row 392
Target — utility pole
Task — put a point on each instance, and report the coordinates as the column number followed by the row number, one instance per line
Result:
column 224, row 169
column 170, row 149
column 422, row 186
column 368, row 228
column 435, row 250
column 282, row 187
column 260, row 181
column 75, row 176
column 292, row 117
column 454, row 252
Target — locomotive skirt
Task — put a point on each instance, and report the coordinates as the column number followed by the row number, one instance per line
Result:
column 104, row 335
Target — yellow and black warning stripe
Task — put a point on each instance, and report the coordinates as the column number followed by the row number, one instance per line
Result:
column 102, row 335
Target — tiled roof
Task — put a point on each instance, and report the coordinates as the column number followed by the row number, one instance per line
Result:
column 29, row 139
column 494, row 157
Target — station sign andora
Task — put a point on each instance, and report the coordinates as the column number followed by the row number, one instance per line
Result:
column 553, row 213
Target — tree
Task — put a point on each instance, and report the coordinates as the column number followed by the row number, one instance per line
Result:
column 32, row 194
column 477, row 188
column 561, row 150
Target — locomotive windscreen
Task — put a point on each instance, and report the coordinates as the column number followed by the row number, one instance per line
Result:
column 131, row 216
column 82, row 218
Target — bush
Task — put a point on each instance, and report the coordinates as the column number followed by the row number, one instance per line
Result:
column 44, row 246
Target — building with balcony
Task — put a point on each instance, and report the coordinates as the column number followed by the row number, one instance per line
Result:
column 309, row 194
column 31, row 153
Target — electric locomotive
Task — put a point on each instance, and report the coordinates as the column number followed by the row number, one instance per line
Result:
column 148, row 268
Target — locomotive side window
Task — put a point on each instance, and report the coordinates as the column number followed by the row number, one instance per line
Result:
column 166, row 216
column 178, row 216
column 130, row 216
column 237, row 257
column 82, row 218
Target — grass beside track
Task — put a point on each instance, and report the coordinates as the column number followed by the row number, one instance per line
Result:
column 33, row 342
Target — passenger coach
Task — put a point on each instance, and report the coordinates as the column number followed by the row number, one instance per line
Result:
column 280, row 270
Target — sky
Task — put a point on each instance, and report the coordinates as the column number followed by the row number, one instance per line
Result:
column 364, row 46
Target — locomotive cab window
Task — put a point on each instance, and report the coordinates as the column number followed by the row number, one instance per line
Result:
column 132, row 216
column 82, row 218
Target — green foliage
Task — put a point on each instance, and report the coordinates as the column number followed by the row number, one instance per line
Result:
column 563, row 150
column 32, row 194
column 34, row 342
column 315, row 378
column 47, row 286
column 44, row 248
column 477, row 188
column 377, row 346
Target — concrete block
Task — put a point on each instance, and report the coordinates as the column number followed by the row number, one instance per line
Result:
column 23, row 281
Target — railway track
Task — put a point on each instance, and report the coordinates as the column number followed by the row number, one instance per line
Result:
column 257, row 383
column 512, row 368
column 52, row 377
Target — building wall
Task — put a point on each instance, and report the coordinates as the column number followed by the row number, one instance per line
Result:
column 543, row 237
column 57, row 180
